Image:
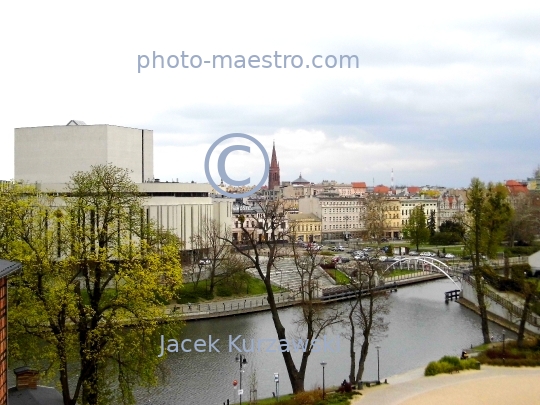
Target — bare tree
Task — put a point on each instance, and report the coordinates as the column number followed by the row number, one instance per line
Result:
column 313, row 320
column 375, row 216
column 213, row 250
column 364, row 320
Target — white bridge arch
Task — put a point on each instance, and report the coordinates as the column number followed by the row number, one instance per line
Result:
column 433, row 263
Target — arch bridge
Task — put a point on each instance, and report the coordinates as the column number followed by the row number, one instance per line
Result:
column 429, row 264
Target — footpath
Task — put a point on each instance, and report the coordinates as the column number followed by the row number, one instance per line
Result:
column 490, row 385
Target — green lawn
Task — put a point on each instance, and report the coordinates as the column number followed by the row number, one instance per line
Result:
column 402, row 272
column 340, row 277
column 234, row 288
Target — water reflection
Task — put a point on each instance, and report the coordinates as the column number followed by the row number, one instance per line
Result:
column 422, row 328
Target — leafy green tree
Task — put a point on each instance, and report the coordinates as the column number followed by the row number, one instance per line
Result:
column 417, row 229
column 488, row 213
column 92, row 264
column 450, row 226
column 432, row 224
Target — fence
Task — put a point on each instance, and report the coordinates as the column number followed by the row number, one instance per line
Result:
column 512, row 308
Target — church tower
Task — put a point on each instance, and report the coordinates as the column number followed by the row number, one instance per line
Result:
column 273, row 175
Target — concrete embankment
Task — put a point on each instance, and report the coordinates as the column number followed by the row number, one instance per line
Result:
column 250, row 305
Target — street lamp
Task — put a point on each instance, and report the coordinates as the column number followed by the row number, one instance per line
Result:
column 242, row 360
column 323, row 363
column 378, row 366
column 346, row 230
column 503, row 344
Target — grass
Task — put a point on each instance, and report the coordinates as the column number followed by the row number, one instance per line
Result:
column 311, row 398
column 512, row 355
column 340, row 277
column 398, row 272
column 244, row 287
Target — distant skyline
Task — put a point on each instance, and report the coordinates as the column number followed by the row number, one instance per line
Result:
column 443, row 92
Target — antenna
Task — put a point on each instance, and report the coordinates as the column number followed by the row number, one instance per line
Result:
column 392, row 185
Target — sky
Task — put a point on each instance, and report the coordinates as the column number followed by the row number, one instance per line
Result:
column 443, row 91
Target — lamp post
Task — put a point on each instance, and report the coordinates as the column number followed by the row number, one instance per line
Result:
column 323, row 363
column 346, row 229
column 378, row 366
column 503, row 345
column 242, row 360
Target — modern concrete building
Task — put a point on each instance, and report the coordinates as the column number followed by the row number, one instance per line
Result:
column 52, row 154
column 48, row 156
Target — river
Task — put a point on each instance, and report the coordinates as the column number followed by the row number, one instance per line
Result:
column 422, row 328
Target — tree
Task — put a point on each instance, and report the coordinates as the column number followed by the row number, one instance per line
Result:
column 417, row 227
column 452, row 226
column 432, row 224
column 313, row 320
column 210, row 242
column 375, row 216
column 525, row 223
column 365, row 316
column 488, row 212
column 92, row 263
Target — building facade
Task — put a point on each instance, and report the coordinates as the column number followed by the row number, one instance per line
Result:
column 306, row 227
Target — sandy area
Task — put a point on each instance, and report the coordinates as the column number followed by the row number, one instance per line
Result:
column 491, row 385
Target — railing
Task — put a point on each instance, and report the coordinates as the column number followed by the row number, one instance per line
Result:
column 512, row 308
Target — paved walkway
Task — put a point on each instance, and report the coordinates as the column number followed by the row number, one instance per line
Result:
column 491, row 385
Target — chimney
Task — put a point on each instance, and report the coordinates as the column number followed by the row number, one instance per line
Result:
column 26, row 377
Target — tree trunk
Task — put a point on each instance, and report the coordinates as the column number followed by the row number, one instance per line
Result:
column 352, row 353
column 296, row 378
column 482, row 306
column 363, row 357
column 524, row 315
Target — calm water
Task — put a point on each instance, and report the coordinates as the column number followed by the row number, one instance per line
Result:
column 422, row 328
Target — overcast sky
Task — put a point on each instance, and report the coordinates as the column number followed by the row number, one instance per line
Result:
column 443, row 93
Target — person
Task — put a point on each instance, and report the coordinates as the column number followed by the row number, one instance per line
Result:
column 464, row 355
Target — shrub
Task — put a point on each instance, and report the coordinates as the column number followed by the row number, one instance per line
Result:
column 433, row 368
column 453, row 361
column 470, row 364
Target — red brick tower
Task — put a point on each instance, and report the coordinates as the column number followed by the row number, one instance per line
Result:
column 273, row 175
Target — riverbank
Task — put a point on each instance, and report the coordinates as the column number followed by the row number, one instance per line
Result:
column 242, row 306
column 490, row 385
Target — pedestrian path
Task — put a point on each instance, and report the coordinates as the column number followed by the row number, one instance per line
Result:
column 490, row 385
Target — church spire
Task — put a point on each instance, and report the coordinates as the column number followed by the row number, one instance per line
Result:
column 274, row 162
column 273, row 175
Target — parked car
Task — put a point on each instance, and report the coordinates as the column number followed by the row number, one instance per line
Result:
column 449, row 256
column 205, row 261
column 338, row 249
column 383, row 258
column 413, row 253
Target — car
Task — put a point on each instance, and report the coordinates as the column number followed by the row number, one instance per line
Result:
column 383, row 258
column 359, row 257
column 205, row 261
column 338, row 249
column 449, row 256
column 413, row 253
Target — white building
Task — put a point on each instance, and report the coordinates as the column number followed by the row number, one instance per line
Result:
column 340, row 216
column 52, row 154
column 48, row 156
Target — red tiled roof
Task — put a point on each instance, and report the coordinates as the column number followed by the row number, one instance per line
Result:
column 413, row 190
column 516, row 187
column 359, row 184
column 381, row 189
